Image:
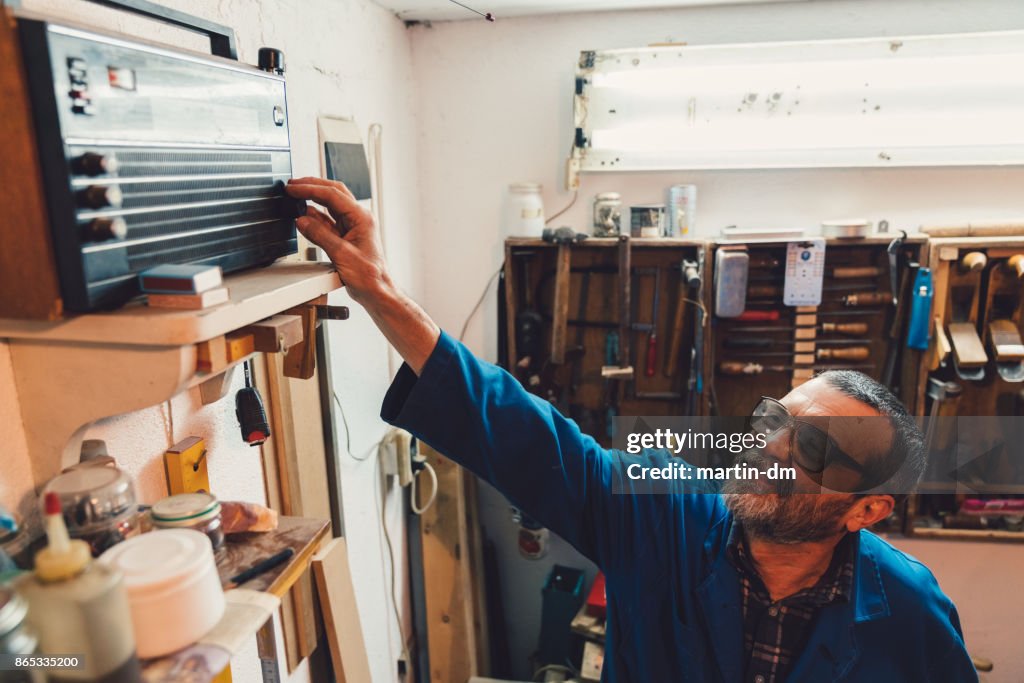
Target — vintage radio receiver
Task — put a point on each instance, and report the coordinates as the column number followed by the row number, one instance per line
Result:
column 151, row 155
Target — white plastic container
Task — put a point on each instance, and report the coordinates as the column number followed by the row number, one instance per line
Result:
column 524, row 211
column 173, row 588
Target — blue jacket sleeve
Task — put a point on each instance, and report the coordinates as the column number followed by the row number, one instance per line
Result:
column 481, row 417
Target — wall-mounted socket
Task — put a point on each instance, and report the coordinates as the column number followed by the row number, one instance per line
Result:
column 395, row 452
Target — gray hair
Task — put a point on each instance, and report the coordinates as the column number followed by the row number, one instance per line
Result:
column 906, row 459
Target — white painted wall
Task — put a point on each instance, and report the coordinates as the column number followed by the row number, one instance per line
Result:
column 344, row 58
column 495, row 107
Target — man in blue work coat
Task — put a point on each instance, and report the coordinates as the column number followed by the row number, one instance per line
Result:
column 749, row 586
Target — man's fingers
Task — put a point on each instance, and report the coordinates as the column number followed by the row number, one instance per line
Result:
column 310, row 180
column 342, row 206
column 314, row 212
column 318, row 231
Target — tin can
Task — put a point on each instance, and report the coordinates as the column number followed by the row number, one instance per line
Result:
column 98, row 504
column 681, row 203
column 198, row 511
column 647, row 220
column 607, row 214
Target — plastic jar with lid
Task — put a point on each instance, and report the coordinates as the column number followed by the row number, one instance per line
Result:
column 524, row 211
column 198, row 511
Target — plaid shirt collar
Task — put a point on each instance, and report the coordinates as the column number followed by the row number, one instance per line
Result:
column 834, row 585
column 775, row 633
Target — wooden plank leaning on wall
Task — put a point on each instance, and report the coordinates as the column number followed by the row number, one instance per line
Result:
column 295, row 474
column 453, row 575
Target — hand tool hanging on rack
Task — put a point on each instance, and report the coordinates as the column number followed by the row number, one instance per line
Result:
column 902, row 291
column 845, row 353
column 940, row 433
column 689, row 280
column 855, row 329
column 529, row 324
column 1002, row 312
column 764, row 343
column 577, row 410
column 868, row 298
column 652, row 344
column 735, row 367
column 560, row 305
column 969, row 355
column 652, row 327
column 252, row 418
column 772, row 314
column 757, row 292
column 695, row 382
column 617, row 343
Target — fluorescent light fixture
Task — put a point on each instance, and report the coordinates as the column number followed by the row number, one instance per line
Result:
column 915, row 101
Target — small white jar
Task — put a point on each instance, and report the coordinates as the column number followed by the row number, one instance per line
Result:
column 524, row 211
column 173, row 588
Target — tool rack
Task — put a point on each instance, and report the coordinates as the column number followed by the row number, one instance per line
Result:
column 975, row 283
column 532, row 284
column 736, row 394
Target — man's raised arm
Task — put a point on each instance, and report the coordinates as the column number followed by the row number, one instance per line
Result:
column 471, row 411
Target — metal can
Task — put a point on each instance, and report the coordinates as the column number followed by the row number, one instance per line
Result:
column 198, row 511
column 98, row 504
column 647, row 220
column 607, row 214
column 681, row 203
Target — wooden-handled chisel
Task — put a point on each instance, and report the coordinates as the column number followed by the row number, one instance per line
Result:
column 835, row 328
column 735, row 367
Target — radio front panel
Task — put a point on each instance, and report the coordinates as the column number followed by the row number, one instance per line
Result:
column 153, row 156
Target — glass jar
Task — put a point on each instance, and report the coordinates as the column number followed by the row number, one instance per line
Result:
column 607, row 214
column 524, row 211
column 98, row 504
column 16, row 638
column 198, row 511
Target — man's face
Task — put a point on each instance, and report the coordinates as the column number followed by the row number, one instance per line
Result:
column 797, row 511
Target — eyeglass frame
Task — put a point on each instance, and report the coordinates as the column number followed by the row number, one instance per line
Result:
column 794, row 423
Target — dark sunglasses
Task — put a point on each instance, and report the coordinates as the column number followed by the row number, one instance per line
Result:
column 810, row 446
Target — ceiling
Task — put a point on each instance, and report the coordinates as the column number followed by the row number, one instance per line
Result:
column 445, row 10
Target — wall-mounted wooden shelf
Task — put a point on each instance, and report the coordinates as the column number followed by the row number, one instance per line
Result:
column 253, row 603
column 71, row 373
column 255, row 294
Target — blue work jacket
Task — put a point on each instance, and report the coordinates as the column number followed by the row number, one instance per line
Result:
column 674, row 611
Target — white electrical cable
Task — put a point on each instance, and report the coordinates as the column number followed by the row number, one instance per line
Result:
column 391, row 559
column 412, row 489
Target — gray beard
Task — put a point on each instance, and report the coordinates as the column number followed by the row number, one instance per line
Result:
column 783, row 517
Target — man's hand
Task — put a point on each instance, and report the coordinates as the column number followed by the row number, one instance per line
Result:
column 349, row 236
column 347, row 233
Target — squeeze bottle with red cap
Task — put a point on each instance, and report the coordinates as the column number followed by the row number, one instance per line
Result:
column 78, row 607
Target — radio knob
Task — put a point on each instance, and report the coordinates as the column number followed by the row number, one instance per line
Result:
column 93, row 164
column 271, row 59
column 101, row 196
column 102, row 229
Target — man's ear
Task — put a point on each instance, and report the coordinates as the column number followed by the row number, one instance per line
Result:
column 868, row 511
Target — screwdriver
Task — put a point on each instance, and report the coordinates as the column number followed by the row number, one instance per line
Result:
column 837, row 328
column 734, row 367
column 762, row 343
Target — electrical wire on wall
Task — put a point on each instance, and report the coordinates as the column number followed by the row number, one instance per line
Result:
column 480, row 301
column 391, row 558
